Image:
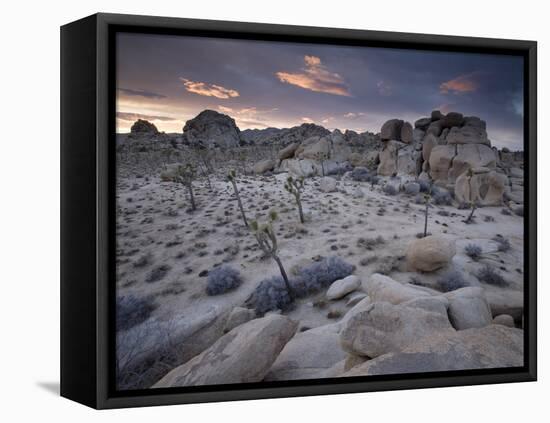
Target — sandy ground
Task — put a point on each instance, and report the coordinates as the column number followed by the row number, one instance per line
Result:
column 154, row 221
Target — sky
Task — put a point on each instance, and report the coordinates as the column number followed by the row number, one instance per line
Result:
column 170, row 79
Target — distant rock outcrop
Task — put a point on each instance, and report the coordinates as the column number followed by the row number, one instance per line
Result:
column 141, row 127
column 212, row 129
column 284, row 136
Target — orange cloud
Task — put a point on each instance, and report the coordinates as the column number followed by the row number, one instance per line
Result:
column 316, row 77
column 461, row 84
column 208, row 90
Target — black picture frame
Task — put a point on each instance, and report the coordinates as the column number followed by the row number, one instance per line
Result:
column 87, row 209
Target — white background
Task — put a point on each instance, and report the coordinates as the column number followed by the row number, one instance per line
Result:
column 29, row 212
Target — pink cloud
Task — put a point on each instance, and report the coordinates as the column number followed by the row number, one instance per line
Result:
column 316, row 77
column 208, row 90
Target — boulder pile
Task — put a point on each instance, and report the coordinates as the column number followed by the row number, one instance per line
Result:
column 455, row 153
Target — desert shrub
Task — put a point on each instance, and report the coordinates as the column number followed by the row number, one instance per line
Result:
column 506, row 212
column 339, row 170
column 441, row 197
column 424, row 186
column 132, row 310
column 145, row 353
column 144, row 260
column 374, row 180
column 389, row 189
column 319, row 275
column 157, row 273
column 386, row 265
column 419, row 199
column 503, row 243
column 270, row 294
column 490, row 276
column 370, row 243
column 222, row 279
column 473, row 251
column 360, row 174
column 451, row 281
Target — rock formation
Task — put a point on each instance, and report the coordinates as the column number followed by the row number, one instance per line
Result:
column 212, row 129
column 143, row 127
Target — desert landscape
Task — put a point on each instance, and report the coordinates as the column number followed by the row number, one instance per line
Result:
column 304, row 253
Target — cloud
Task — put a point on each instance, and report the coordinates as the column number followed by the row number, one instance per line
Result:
column 208, row 90
column 141, row 93
column 384, row 89
column 316, row 77
column 353, row 115
column 307, row 120
column 461, row 84
column 249, row 117
column 132, row 117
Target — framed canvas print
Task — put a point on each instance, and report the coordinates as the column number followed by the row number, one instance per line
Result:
column 256, row 211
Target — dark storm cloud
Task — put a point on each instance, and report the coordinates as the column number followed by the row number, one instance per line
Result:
column 132, row 117
column 141, row 93
column 283, row 84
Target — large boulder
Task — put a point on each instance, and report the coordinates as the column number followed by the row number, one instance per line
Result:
column 143, row 127
column 467, row 135
column 406, row 135
column 471, row 156
column 423, row 123
column 440, row 160
column 243, row 355
column 308, row 355
column 482, row 186
column 383, row 288
column 385, row 327
column 475, row 122
column 391, row 130
column 468, row 308
column 428, row 143
column 314, row 148
column 430, row 253
column 494, row 346
column 388, row 158
column 211, row 128
column 264, row 166
column 288, row 151
column 342, row 287
column 237, row 317
column 409, row 161
column 452, row 119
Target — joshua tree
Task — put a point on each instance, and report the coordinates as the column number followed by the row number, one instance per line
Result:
column 427, row 198
column 185, row 174
column 231, row 177
column 321, row 157
column 473, row 207
column 295, row 187
column 267, row 241
column 204, row 158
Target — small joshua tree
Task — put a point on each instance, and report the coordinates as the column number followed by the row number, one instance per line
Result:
column 231, row 177
column 205, row 158
column 470, row 218
column 267, row 241
column 295, row 187
column 427, row 198
column 185, row 175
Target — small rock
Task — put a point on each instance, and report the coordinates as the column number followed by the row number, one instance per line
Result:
column 505, row 320
column 430, row 253
column 342, row 287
